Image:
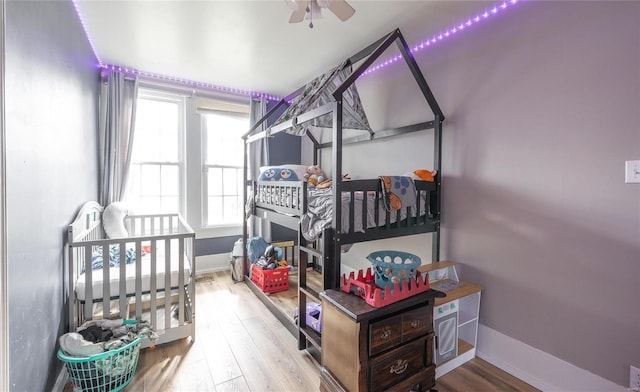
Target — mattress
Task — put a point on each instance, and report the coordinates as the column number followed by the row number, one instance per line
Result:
column 97, row 276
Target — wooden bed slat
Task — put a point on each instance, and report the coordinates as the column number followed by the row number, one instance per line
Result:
column 86, row 261
column 106, row 294
column 167, row 283
column 123, row 282
column 181, row 279
column 138, row 297
column 154, row 285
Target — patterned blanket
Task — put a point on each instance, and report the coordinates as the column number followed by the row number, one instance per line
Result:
column 398, row 192
column 98, row 258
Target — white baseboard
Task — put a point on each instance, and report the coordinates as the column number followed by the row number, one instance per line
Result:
column 537, row 368
column 212, row 263
column 454, row 362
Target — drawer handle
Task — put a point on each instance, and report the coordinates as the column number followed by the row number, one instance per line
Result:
column 399, row 367
column 415, row 323
column 386, row 335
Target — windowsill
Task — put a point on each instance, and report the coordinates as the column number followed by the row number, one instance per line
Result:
column 219, row 231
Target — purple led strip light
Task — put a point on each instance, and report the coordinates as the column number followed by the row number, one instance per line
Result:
column 446, row 34
column 187, row 82
column 86, row 33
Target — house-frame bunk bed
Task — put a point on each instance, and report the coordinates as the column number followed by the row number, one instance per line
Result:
column 285, row 202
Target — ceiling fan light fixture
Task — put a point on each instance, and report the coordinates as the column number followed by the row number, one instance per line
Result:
column 312, row 9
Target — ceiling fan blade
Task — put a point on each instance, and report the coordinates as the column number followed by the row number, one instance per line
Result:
column 297, row 15
column 341, row 8
column 299, row 10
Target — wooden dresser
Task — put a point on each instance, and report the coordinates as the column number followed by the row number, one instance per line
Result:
column 377, row 349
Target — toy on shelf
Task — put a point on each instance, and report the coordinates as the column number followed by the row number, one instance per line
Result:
column 313, row 317
column 314, row 176
column 365, row 287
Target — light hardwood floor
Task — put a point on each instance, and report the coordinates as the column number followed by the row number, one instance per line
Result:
column 240, row 346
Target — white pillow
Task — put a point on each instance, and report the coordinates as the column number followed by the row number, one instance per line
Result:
column 113, row 220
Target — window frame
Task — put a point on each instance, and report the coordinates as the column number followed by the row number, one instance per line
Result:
column 205, row 166
column 162, row 96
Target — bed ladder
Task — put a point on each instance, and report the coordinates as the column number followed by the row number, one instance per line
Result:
column 312, row 255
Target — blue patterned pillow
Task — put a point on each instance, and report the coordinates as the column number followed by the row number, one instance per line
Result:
column 278, row 174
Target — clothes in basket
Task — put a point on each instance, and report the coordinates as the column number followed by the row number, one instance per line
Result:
column 102, row 355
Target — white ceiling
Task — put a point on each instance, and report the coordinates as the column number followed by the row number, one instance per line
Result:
column 250, row 45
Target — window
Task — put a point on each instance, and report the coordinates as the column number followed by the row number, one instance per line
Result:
column 155, row 175
column 223, row 167
column 188, row 158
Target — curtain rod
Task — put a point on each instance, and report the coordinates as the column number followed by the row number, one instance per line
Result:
column 188, row 91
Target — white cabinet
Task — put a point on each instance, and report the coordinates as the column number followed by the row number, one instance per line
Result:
column 462, row 303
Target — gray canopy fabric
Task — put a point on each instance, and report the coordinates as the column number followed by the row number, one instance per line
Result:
column 319, row 92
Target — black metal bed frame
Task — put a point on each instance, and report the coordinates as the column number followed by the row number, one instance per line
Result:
column 327, row 250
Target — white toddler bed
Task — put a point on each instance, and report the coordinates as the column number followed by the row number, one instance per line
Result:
column 158, row 286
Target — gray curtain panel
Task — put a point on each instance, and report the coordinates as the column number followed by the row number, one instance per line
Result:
column 116, row 128
column 258, row 150
column 258, row 156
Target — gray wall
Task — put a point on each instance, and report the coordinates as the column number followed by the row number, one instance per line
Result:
column 542, row 108
column 284, row 149
column 52, row 87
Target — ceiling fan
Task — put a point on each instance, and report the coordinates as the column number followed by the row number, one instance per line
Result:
column 312, row 9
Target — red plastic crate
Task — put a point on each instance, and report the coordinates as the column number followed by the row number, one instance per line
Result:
column 364, row 286
column 270, row 281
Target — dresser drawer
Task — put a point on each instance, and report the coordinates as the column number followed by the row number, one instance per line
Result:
column 420, row 382
column 396, row 366
column 416, row 323
column 385, row 334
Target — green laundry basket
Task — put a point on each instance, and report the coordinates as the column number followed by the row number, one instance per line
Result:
column 108, row 371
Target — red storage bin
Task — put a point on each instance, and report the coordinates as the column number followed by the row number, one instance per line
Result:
column 364, row 286
column 270, row 281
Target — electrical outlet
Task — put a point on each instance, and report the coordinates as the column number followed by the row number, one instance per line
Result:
column 632, row 172
column 634, row 378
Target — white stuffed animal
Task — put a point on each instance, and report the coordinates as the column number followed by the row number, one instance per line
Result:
column 314, row 175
